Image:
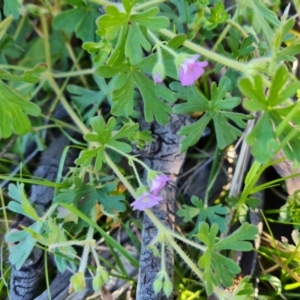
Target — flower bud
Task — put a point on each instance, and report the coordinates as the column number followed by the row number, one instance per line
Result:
column 78, row 281
column 97, row 283
column 157, row 285
column 105, row 276
column 168, row 287
column 158, row 72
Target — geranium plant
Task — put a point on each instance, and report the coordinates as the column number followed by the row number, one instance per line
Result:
column 120, row 70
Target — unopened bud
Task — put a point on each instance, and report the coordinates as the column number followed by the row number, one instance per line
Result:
column 158, row 72
column 157, row 285
column 78, row 281
column 168, row 287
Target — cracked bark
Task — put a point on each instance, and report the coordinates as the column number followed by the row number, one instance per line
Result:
column 162, row 155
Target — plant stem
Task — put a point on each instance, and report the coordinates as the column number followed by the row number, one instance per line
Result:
column 131, row 163
column 4, row 211
column 162, row 255
column 160, row 227
column 242, row 67
column 72, row 243
column 52, row 82
column 129, row 157
column 187, row 241
column 72, row 74
column 76, row 64
column 186, row 259
column 121, row 176
column 87, row 246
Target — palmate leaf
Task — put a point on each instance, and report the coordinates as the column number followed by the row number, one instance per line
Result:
column 21, row 205
column 135, row 43
column 123, row 87
column 25, row 243
column 217, row 15
column 239, row 47
column 262, row 138
column 85, row 197
column 262, row 17
column 105, row 136
column 88, row 101
column 216, row 110
column 218, row 269
column 80, row 19
column 214, row 214
column 13, row 110
column 112, row 22
column 149, row 19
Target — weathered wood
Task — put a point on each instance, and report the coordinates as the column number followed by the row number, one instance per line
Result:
column 164, row 156
column 286, row 168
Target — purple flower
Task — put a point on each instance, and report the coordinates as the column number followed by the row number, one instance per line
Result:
column 146, row 200
column 191, row 69
column 158, row 183
column 157, row 78
column 158, row 72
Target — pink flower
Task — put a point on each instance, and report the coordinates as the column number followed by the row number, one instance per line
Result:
column 146, row 200
column 158, row 72
column 157, row 78
column 191, row 69
column 158, row 183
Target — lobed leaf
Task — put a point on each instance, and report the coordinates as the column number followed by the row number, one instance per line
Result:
column 13, row 110
column 211, row 213
column 215, row 109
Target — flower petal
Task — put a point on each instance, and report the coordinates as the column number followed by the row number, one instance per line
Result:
column 158, row 183
column 146, row 200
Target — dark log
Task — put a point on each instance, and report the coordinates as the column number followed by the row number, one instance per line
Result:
column 164, row 156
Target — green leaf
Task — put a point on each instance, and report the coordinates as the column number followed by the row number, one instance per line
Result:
column 22, row 205
column 118, row 54
column 177, row 41
column 110, row 24
column 217, row 15
column 212, row 213
column 148, row 19
column 239, row 239
column 135, row 43
column 13, row 110
column 218, row 269
column 239, row 49
column 262, row 17
column 31, row 76
column 109, row 71
column 215, row 110
column 128, row 4
column 88, row 101
column 122, row 96
column 253, row 88
column 4, row 25
column 80, row 20
column 104, row 135
column 262, row 139
column 153, row 106
column 25, row 243
column 289, row 53
column 85, row 197
column 11, row 7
